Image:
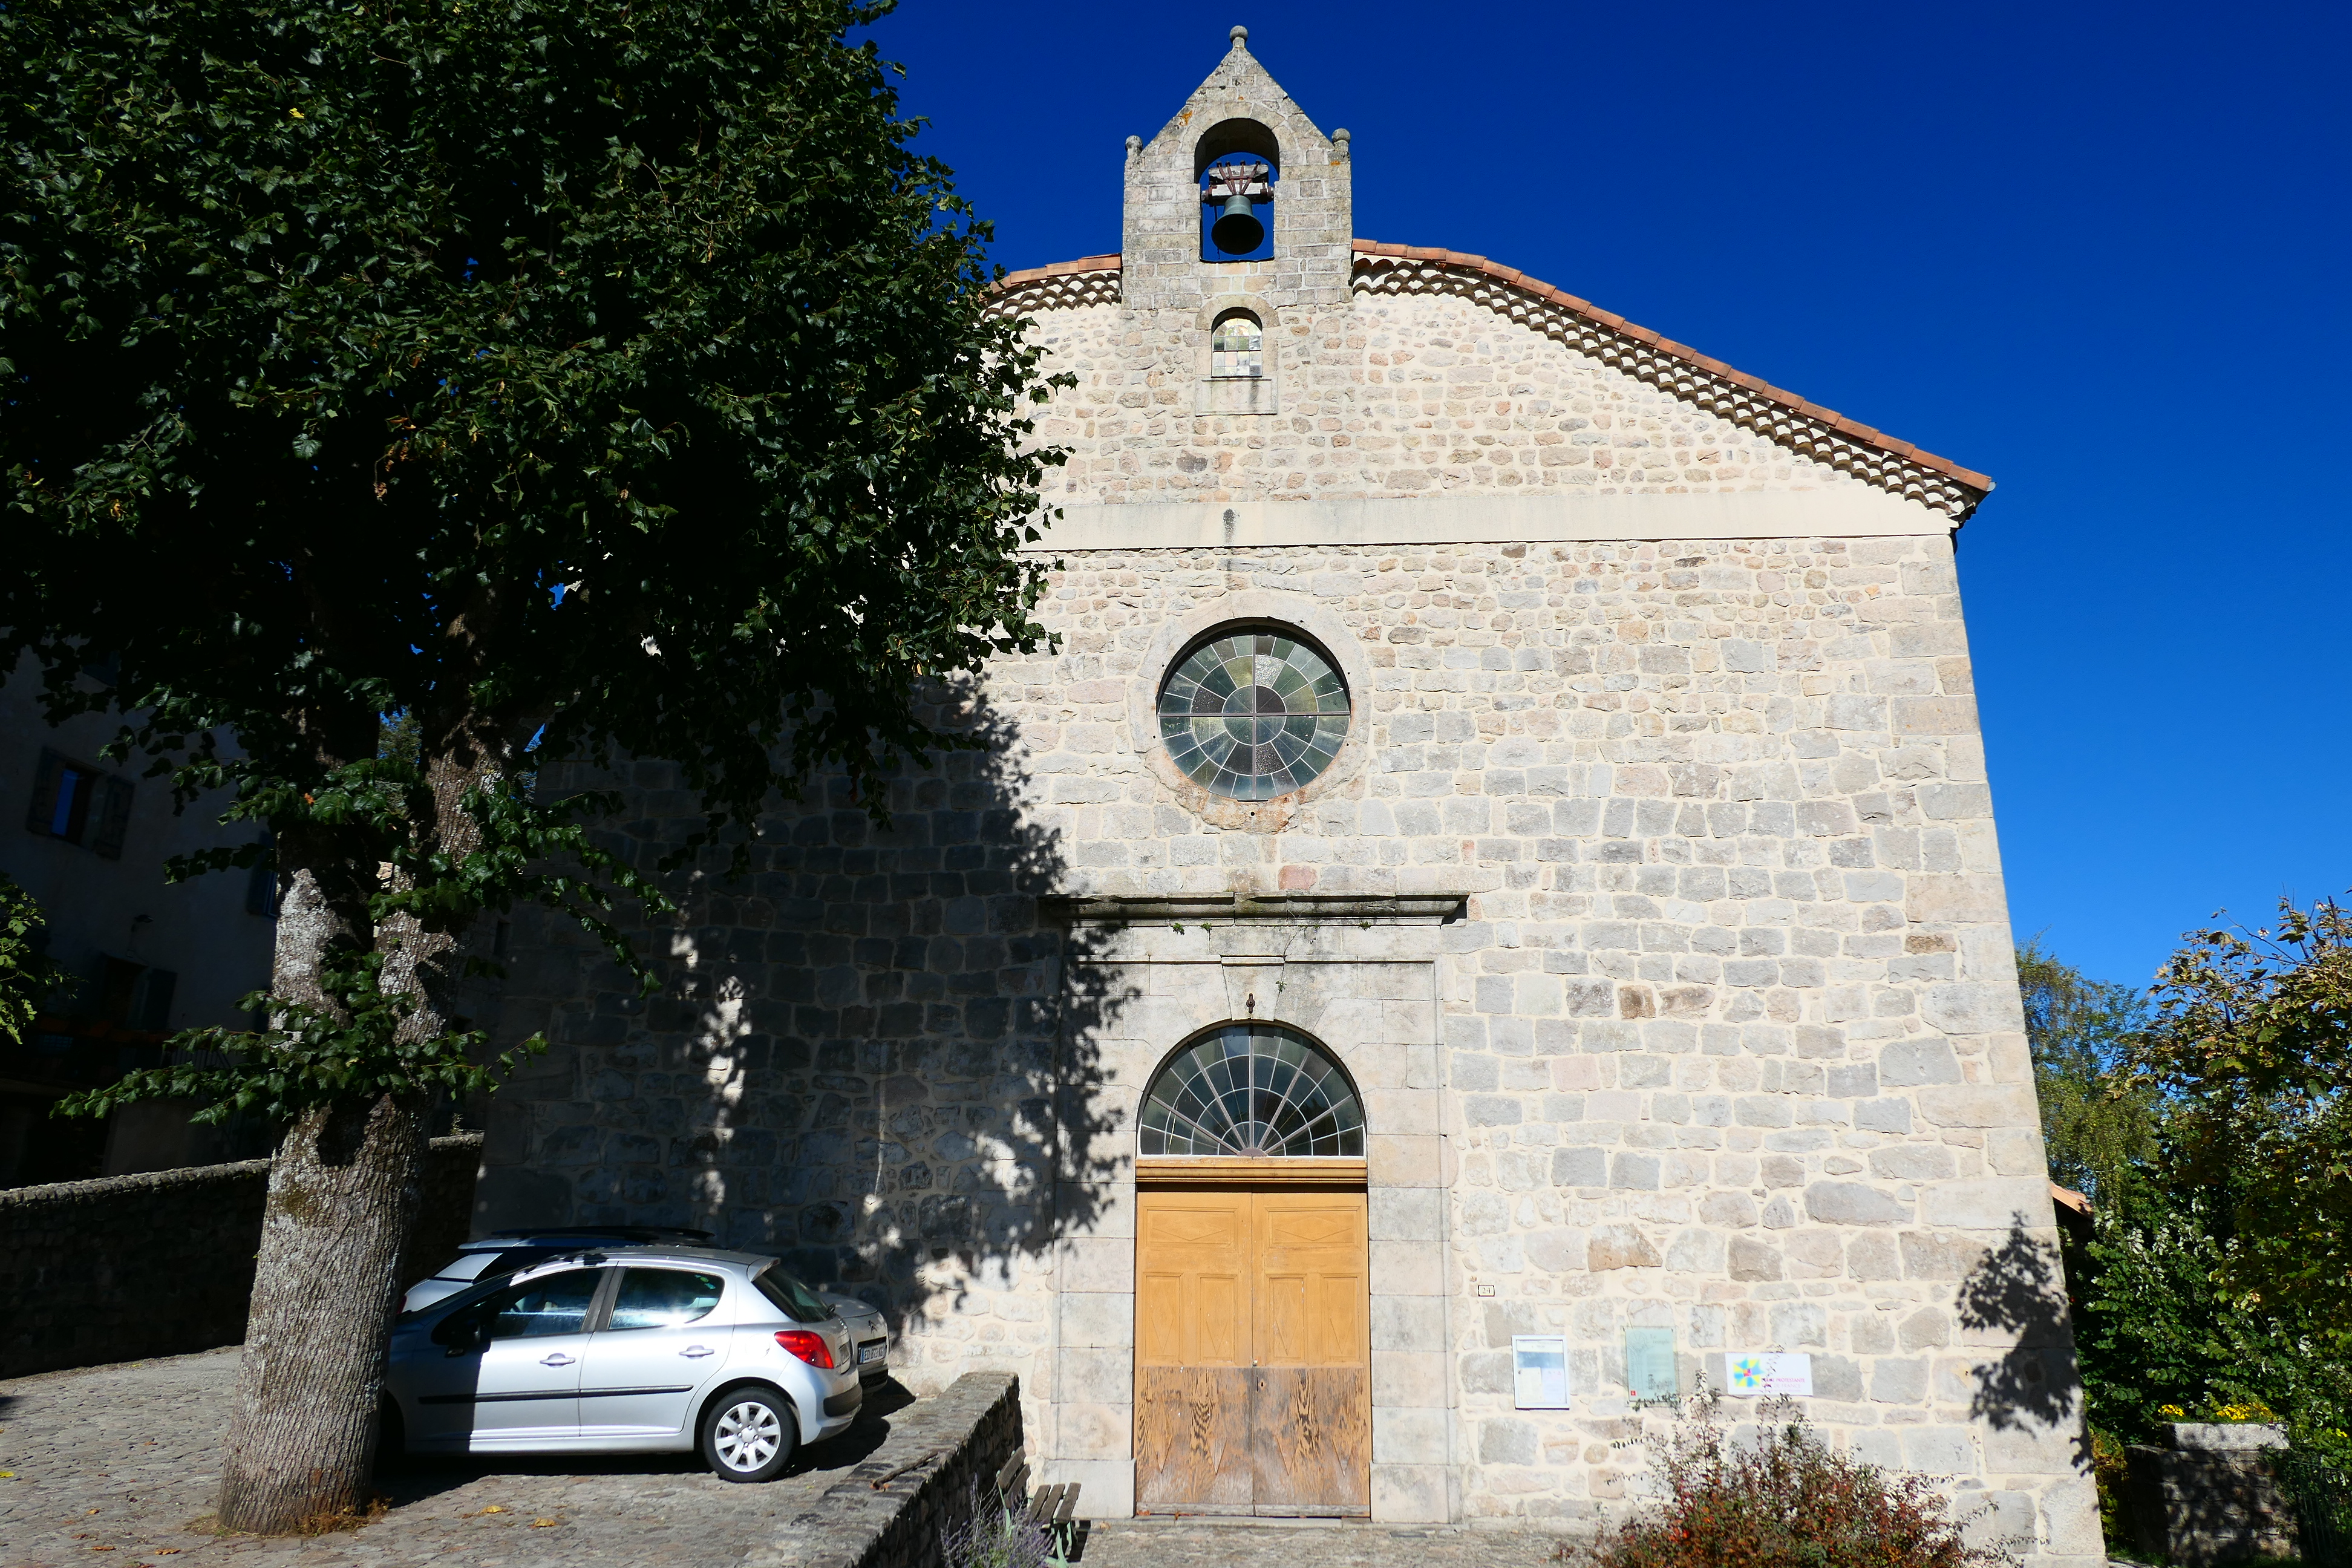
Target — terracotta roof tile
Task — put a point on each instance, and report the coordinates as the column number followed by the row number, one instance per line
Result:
column 1511, row 276
column 1851, row 428
column 1057, row 269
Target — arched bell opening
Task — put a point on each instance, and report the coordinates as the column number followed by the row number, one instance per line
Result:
column 1237, row 163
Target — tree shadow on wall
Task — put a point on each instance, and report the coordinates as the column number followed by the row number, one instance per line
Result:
column 2019, row 1288
column 854, row 1057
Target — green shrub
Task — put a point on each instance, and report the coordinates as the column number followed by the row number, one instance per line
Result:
column 1785, row 1500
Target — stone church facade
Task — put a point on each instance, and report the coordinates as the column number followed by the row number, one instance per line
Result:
column 1597, row 871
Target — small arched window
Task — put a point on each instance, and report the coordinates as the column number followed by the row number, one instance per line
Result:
column 1237, row 347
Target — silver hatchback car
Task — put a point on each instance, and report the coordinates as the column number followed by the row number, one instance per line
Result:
column 637, row 1348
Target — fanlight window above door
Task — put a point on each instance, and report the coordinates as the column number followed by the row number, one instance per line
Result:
column 1253, row 1089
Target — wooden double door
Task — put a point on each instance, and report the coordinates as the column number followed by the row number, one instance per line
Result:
column 1253, row 1363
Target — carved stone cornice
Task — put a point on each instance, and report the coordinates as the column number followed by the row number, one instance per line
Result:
column 1226, row 909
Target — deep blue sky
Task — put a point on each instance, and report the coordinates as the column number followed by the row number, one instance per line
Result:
column 2098, row 253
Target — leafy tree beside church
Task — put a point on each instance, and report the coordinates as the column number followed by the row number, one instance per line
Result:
column 579, row 379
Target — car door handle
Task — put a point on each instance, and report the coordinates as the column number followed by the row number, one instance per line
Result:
column 696, row 1351
column 558, row 1359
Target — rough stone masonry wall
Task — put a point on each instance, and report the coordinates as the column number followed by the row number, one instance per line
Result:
column 1733, row 1041
column 1733, row 1038
column 1390, row 395
column 962, row 1439
column 162, row 1263
column 850, row 1064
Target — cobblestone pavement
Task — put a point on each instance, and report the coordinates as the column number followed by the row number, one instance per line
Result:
column 126, row 1459
column 1152, row 1544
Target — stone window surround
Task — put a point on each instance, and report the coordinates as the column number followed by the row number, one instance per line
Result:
column 1258, row 395
column 1362, row 977
column 1321, row 627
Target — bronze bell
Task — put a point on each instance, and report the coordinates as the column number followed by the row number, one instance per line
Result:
column 1237, row 231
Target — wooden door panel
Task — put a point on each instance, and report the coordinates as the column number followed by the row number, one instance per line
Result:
column 1339, row 1329
column 1193, row 1450
column 1220, row 1313
column 1252, row 1353
column 1311, row 1406
column 1310, row 1439
column 1192, row 1351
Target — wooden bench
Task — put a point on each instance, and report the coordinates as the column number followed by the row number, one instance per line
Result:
column 1048, row 1507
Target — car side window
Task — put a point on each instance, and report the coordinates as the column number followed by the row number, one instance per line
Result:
column 664, row 1297
column 550, row 1304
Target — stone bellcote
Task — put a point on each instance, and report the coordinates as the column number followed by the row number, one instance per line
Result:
column 1242, row 112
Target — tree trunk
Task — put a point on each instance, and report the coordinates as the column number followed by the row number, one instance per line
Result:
column 343, row 1192
column 345, row 1189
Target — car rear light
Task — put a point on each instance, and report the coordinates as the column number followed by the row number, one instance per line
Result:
column 811, row 1348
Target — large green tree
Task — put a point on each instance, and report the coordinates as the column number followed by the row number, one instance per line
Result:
column 572, row 378
column 28, row 976
column 2167, row 1321
column 2095, row 1123
column 2252, row 1051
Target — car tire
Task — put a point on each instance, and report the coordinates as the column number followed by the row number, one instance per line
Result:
column 749, row 1434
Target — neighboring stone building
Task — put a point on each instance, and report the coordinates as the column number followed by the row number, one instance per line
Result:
column 1547, row 754
column 89, row 839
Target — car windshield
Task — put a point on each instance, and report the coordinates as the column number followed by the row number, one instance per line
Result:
column 792, row 1297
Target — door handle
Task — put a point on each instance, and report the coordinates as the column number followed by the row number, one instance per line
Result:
column 697, row 1351
column 558, row 1359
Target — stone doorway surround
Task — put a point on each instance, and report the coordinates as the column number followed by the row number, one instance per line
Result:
column 1360, row 975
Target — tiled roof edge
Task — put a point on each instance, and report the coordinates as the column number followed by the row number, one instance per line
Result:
column 1938, row 482
column 1089, row 280
column 1788, row 420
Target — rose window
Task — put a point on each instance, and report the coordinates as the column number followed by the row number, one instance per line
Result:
column 1254, row 714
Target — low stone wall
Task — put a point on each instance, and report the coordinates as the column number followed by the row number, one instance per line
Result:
column 972, row 1430
column 160, row 1263
column 2210, row 1497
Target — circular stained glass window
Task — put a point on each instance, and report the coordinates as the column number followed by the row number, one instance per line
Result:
column 1255, row 1089
column 1254, row 714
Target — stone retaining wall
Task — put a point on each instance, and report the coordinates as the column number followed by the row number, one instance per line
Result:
column 2210, row 1497
column 973, row 1428
column 160, row 1263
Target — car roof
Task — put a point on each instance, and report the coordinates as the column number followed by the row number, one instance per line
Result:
column 749, row 1262
column 587, row 1236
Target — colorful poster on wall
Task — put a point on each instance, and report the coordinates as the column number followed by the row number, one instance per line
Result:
column 1650, row 1362
column 1539, row 1371
column 1762, row 1372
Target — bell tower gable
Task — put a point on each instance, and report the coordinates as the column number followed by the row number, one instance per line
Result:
column 1238, row 136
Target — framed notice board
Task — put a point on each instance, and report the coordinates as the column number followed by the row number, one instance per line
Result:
column 1539, row 1371
column 1650, row 1362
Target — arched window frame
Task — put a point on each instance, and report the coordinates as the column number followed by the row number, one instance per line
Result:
column 1317, row 1089
column 1237, row 346
column 1259, row 393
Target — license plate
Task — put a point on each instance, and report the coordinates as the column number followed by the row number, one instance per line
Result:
column 868, row 1355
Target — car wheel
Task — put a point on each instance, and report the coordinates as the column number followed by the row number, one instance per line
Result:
column 749, row 1435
